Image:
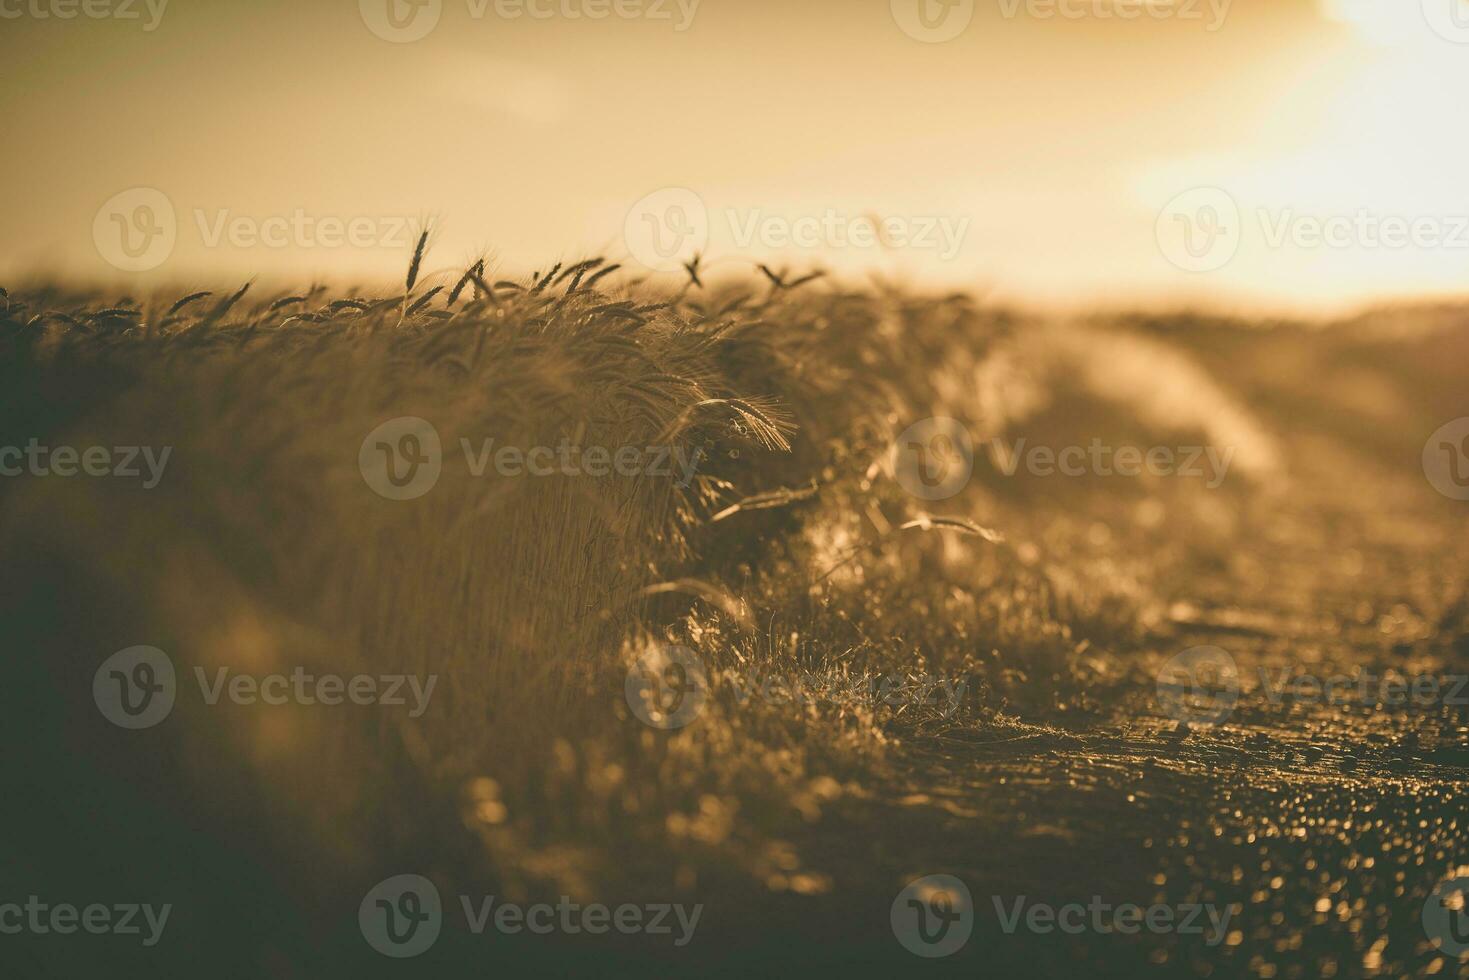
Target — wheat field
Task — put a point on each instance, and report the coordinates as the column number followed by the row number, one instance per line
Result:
column 887, row 685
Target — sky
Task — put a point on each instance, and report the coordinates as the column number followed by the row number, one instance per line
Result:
column 1286, row 154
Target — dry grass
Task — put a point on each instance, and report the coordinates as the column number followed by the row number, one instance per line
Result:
column 264, row 547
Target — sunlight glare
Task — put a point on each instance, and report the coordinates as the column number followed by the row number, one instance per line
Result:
column 1382, row 22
